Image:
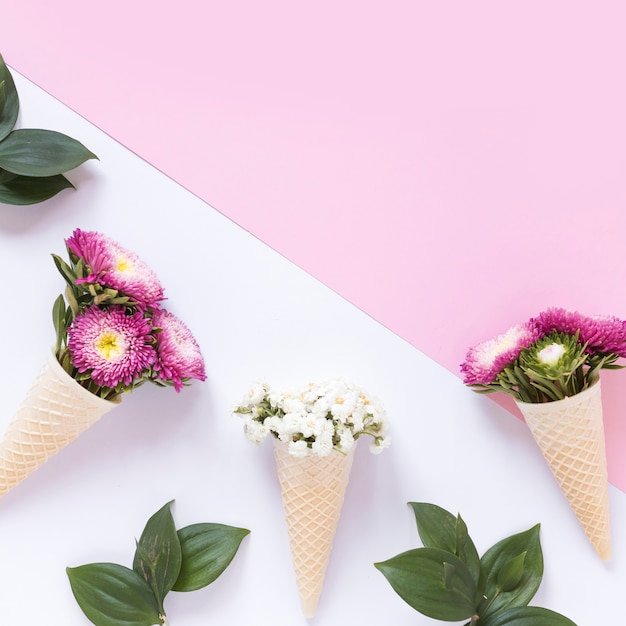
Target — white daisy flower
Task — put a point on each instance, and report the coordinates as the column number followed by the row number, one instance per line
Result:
column 256, row 431
column 298, row 448
column 255, row 395
column 323, row 445
column 346, row 440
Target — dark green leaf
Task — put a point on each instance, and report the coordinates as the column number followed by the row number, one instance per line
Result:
column 423, row 578
column 466, row 550
column 497, row 558
column 207, row 551
column 10, row 109
column 448, row 576
column 3, row 97
column 438, row 528
column 35, row 152
column 23, row 190
column 158, row 556
column 113, row 595
column 526, row 616
column 511, row 572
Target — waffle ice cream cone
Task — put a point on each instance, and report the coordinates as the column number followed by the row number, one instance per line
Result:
column 570, row 434
column 54, row 412
column 313, row 490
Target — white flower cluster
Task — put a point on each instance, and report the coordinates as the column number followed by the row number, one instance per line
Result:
column 315, row 418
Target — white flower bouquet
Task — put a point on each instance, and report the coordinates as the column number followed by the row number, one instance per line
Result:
column 315, row 428
column 316, row 418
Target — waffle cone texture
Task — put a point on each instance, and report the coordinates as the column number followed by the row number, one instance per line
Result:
column 54, row 412
column 313, row 490
column 570, row 434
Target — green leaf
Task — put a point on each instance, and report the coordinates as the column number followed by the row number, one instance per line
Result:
column 113, row 595
column 10, row 107
column 511, row 572
column 158, row 556
column 58, row 319
column 207, row 551
column 425, row 580
column 448, row 576
column 35, row 152
column 3, row 97
column 466, row 550
column 70, row 294
column 526, row 616
column 23, row 190
column 499, row 557
column 65, row 360
column 438, row 528
column 65, row 270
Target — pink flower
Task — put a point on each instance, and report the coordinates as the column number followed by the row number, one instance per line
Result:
column 92, row 248
column 179, row 357
column 485, row 361
column 112, row 265
column 602, row 334
column 115, row 347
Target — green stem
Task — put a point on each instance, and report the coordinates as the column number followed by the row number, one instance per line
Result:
column 484, row 609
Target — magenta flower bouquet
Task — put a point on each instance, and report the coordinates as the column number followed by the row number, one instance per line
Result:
column 551, row 366
column 553, row 356
column 112, row 335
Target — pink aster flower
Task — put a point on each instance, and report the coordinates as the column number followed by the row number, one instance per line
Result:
column 179, row 357
column 602, row 334
column 485, row 361
column 112, row 265
column 92, row 248
column 115, row 347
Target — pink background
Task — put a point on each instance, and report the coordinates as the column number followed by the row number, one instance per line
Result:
column 450, row 168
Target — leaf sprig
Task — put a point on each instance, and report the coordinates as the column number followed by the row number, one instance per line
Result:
column 165, row 560
column 32, row 161
column 448, row 581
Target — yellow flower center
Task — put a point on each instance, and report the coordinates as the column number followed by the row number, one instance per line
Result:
column 124, row 265
column 507, row 342
column 109, row 345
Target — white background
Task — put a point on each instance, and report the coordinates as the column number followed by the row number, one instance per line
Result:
column 256, row 317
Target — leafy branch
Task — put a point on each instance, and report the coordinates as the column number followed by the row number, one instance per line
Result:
column 32, row 161
column 448, row 581
column 165, row 560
